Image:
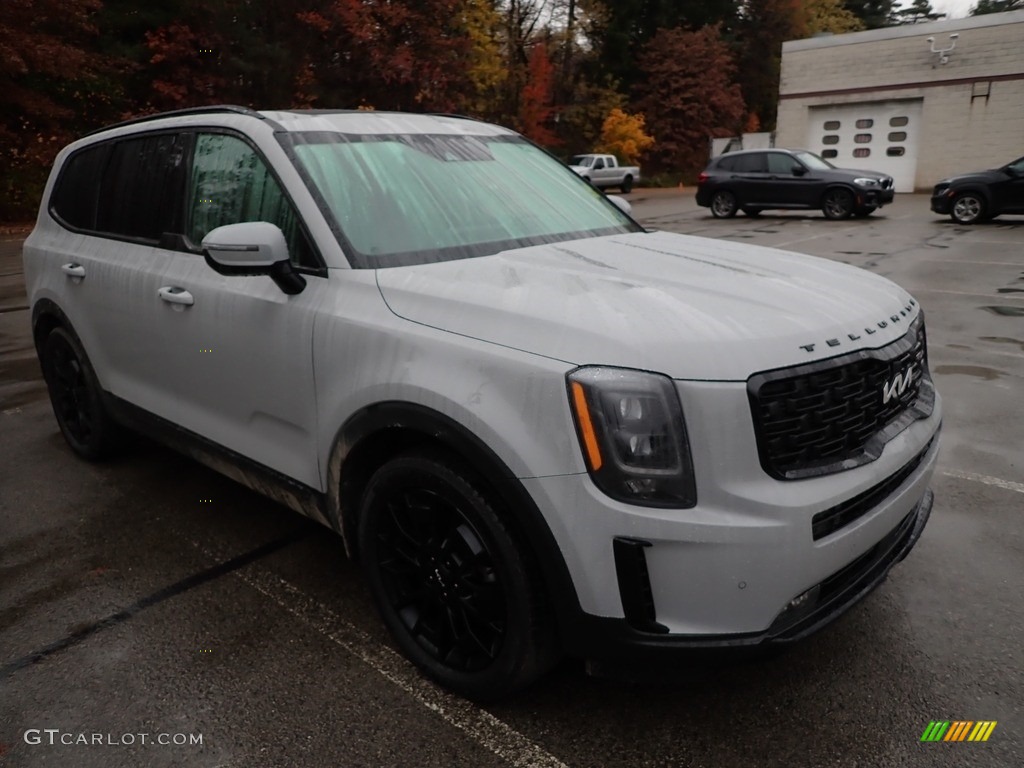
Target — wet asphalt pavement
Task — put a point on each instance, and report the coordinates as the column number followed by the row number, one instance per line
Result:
column 151, row 599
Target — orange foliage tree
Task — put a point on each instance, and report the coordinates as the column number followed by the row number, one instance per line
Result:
column 623, row 135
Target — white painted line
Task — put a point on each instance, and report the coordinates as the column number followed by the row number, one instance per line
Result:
column 481, row 726
column 1008, row 485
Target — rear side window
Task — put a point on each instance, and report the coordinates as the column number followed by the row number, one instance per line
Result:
column 727, row 164
column 231, row 184
column 142, row 187
column 76, row 197
column 752, row 163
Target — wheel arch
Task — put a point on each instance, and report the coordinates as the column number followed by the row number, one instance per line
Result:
column 383, row 430
column 47, row 315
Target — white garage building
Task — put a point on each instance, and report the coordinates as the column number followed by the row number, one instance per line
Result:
column 894, row 101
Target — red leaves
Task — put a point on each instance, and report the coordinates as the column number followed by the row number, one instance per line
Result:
column 688, row 95
column 535, row 106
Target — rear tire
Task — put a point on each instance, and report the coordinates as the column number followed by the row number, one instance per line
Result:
column 968, row 208
column 723, row 204
column 453, row 584
column 77, row 398
column 627, row 185
column 837, row 203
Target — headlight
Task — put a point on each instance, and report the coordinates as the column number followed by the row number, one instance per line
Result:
column 866, row 182
column 631, row 430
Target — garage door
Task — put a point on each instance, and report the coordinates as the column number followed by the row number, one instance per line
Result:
column 877, row 135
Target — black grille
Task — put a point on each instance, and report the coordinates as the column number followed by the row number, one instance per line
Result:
column 833, row 415
column 834, row 518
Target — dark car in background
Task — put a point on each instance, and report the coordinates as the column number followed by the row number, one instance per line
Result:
column 982, row 195
column 757, row 179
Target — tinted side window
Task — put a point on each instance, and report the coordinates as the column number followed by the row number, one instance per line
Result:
column 727, row 164
column 76, row 195
column 231, row 184
column 780, row 163
column 752, row 163
column 142, row 186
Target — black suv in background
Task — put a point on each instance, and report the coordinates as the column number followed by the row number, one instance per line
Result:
column 754, row 180
column 982, row 195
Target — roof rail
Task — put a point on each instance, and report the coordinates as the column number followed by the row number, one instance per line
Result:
column 212, row 109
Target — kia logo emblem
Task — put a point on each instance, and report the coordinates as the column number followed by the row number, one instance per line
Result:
column 898, row 384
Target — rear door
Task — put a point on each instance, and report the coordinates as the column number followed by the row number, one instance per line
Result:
column 116, row 202
column 749, row 178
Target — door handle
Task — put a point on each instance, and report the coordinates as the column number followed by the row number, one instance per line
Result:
column 174, row 295
column 72, row 269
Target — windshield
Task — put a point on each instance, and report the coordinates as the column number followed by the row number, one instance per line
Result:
column 812, row 161
column 582, row 160
column 395, row 200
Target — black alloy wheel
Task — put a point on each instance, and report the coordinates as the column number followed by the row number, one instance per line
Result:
column 723, row 204
column 450, row 580
column 76, row 397
column 837, row 203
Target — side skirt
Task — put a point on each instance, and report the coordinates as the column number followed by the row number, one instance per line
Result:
column 264, row 480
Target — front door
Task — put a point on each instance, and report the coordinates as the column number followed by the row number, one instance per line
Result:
column 241, row 349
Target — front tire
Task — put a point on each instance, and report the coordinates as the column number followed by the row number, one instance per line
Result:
column 627, row 185
column 837, row 204
column 723, row 204
column 451, row 581
column 968, row 208
column 76, row 397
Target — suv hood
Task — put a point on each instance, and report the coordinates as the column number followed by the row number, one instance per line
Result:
column 989, row 176
column 689, row 307
column 856, row 173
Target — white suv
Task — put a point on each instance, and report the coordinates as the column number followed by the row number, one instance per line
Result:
column 540, row 428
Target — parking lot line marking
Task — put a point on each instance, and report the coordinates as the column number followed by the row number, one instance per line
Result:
column 1008, row 485
column 481, row 726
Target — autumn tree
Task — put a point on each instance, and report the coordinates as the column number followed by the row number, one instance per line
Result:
column 688, row 95
column 49, row 70
column 535, row 107
column 393, row 54
column 628, row 25
column 481, row 23
column 623, row 135
column 830, row 16
column 765, row 26
column 581, row 119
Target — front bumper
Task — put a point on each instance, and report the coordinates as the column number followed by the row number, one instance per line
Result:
column 942, row 203
column 616, row 640
column 876, row 197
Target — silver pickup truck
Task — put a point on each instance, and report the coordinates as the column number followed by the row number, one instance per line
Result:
column 604, row 171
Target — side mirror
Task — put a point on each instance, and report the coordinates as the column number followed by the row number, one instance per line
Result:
column 622, row 204
column 799, row 170
column 252, row 248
